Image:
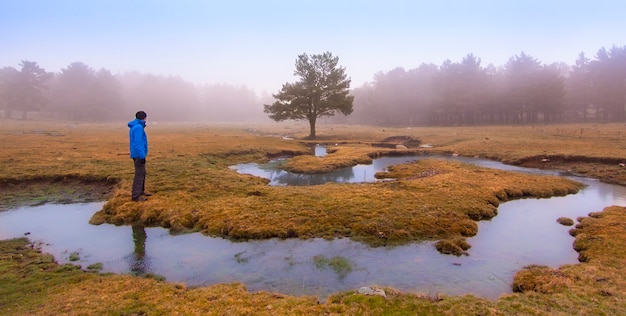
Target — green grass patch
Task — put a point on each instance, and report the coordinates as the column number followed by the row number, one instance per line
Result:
column 341, row 265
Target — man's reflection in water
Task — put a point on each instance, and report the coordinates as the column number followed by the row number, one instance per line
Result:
column 138, row 262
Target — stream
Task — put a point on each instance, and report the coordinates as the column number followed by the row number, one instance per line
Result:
column 524, row 232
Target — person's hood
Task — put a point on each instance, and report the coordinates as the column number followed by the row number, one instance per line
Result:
column 135, row 122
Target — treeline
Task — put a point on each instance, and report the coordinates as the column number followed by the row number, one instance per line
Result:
column 80, row 93
column 523, row 91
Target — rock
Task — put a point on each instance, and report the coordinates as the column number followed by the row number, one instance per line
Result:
column 401, row 147
column 366, row 290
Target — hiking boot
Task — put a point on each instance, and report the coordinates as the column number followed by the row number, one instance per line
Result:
column 140, row 199
column 146, row 194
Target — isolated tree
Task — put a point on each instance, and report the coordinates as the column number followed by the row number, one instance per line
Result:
column 321, row 91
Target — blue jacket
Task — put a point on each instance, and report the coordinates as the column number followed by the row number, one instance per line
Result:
column 138, row 139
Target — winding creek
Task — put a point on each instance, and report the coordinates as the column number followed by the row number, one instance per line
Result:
column 524, row 232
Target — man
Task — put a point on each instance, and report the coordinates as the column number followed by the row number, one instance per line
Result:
column 138, row 152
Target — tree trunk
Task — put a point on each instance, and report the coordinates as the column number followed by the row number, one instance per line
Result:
column 312, row 127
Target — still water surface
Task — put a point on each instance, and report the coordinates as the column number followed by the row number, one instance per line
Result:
column 524, row 232
column 359, row 173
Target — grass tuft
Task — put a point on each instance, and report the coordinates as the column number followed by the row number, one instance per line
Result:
column 565, row 221
column 455, row 247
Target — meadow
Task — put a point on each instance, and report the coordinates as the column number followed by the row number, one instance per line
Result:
column 194, row 190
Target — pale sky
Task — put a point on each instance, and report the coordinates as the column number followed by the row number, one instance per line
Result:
column 255, row 42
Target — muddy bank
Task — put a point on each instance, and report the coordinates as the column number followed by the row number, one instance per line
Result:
column 60, row 190
column 605, row 169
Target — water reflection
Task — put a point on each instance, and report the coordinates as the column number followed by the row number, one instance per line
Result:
column 358, row 173
column 318, row 150
column 138, row 261
column 365, row 173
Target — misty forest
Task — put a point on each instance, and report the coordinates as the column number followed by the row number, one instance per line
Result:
column 522, row 91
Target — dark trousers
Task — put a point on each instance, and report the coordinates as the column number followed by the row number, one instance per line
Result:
column 140, row 178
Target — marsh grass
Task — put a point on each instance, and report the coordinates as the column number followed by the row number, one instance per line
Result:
column 95, row 267
column 195, row 191
column 74, row 256
column 341, row 265
column 455, row 247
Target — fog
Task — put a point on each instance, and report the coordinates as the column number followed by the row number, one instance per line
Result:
column 408, row 61
column 466, row 92
column 80, row 93
column 522, row 91
column 254, row 43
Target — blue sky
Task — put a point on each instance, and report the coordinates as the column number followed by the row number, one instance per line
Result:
column 256, row 43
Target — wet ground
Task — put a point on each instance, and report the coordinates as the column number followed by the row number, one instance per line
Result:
column 56, row 190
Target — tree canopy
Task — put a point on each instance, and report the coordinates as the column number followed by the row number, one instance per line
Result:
column 23, row 90
column 323, row 90
column 523, row 91
column 81, row 93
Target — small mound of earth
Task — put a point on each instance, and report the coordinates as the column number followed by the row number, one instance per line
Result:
column 394, row 141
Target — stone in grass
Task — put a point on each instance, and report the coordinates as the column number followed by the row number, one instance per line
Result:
column 366, row 290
